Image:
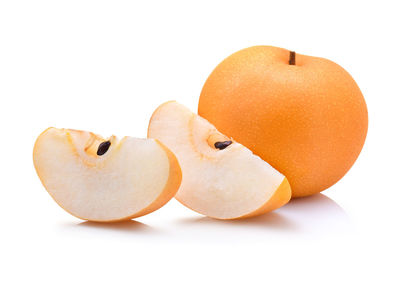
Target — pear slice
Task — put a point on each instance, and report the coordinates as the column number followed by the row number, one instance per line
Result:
column 105, row 180
column 221, row 178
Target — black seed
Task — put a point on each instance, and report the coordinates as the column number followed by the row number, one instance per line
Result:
column 103, row 148
column 222, row 145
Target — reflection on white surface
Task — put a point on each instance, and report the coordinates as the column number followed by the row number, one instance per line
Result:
column 317, row 212
column 317, row 215
column 271, row 220
column 125, row 226
column 309, row 216
column 312, row 209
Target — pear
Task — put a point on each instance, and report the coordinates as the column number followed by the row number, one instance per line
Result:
column 105, row 180
column 221, row 178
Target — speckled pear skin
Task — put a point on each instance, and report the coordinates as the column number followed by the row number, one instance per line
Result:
column 308, row 120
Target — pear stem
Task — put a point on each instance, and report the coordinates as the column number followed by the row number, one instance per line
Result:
column 292, row 58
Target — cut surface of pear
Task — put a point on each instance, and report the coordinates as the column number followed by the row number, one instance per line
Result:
column 105, row 180
column 221, row 178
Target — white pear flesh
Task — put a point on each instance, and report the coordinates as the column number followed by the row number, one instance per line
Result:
column 225, row 184
column 132, row 178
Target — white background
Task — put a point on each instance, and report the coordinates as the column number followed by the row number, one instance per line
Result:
column 105, row 66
